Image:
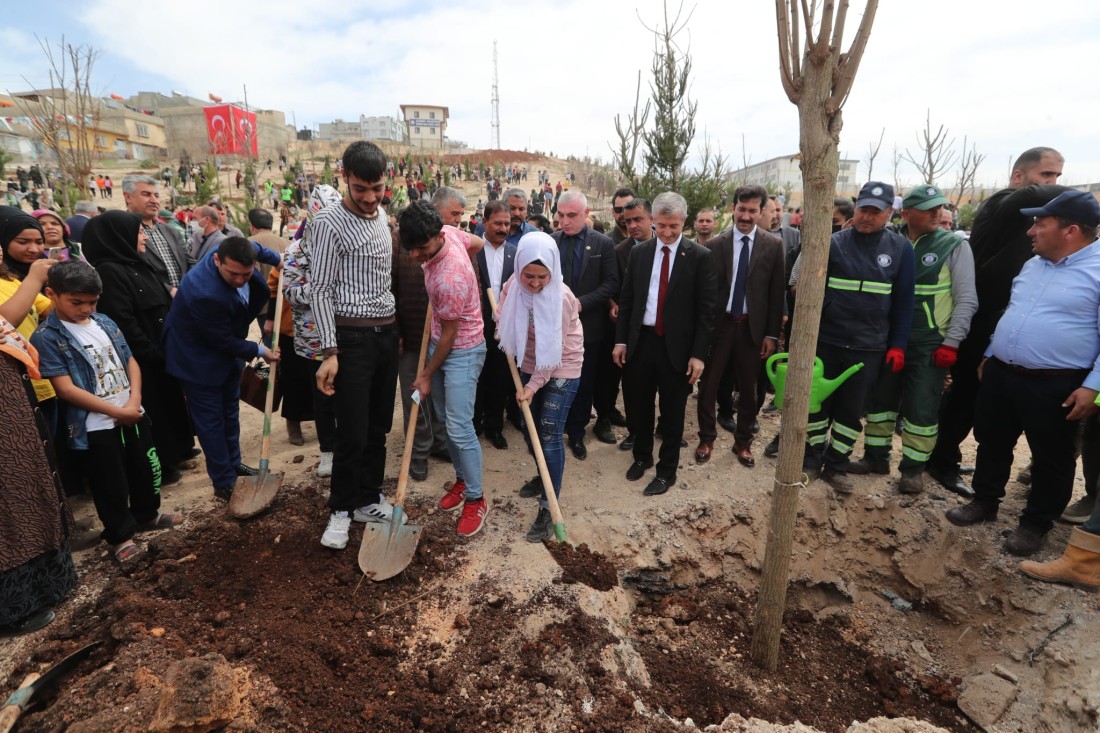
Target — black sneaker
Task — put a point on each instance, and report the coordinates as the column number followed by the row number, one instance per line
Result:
column 543, row 526
column 532, row 488
column 603, row 432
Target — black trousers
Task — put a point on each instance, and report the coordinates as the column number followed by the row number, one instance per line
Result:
column 123, row 472
column 608, row 376
column 495, row 392
column 581, row 410
column 162, row 398
column 959, row 403
column 1011, row 403
column 831, row 433
column 366, row 385
column 651, row 375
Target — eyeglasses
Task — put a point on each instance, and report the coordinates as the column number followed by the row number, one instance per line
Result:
column 618, row 209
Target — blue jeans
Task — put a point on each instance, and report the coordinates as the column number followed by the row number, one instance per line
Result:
column 454, row 388
column 550, row 409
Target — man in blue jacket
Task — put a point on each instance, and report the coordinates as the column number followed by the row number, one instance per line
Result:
column 205, row 346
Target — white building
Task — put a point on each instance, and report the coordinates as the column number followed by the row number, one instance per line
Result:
column 426, row 124
column 365, row 128
column 784, row 173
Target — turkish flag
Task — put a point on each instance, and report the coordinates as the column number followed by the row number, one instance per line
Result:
column 231, row 130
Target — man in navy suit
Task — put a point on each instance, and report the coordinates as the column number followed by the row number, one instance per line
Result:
column 495, row 264
column 591, row 271
column 205, row 347
column 82, row 214
column 663, row 333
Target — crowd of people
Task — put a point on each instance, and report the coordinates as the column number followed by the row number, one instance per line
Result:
column 125, row 333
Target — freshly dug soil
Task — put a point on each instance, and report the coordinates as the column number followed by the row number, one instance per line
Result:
column 312, row 645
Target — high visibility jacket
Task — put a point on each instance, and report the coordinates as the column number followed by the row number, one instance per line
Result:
column 934, row 302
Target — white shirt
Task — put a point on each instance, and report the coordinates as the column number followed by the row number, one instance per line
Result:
column 494, row 260
column 737, row 245
column 112, row 379
column 649, row 318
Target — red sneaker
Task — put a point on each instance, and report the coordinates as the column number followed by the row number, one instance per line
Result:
column 454, row 497
column 473, row 517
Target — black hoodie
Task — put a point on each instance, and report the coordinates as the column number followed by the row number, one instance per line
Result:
column 133, row 296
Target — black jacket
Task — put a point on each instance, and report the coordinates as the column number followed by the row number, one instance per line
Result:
column 598, row 282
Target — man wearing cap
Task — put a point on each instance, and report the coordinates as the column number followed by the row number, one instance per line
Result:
column 1001, row 246
column 945, row 303
column 1041, row 372
column 865, row 318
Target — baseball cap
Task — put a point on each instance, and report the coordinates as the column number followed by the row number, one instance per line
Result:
column 923, row 198
column 877, row 194
column 165, row 214
column 1078, row 206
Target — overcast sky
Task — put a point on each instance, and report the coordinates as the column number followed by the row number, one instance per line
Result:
column 1009, row 75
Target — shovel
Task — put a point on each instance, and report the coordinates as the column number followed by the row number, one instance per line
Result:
column 21, row 698
column 253, row 494
column 388, row 549
column 532, row 430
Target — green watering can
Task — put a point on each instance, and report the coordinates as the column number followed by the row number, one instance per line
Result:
column 820, row 388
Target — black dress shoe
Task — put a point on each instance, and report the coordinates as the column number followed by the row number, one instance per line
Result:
column 497, row 440
column 972, row 513
column 658, row 486
column 965, row 469
column 242, row 470
column 950, row 480
column 727, row 423
column 532, row 488
column 34, row 622
column 223, row 492
column 755, row 427
column 193, row 453
column 172, row 475
column 603, row 432
column 628, row 442
column 616, row 418
column 637, row 469
column 771, row 450
column 580, row 452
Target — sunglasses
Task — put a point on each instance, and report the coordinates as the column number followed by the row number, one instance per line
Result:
column 618, row 209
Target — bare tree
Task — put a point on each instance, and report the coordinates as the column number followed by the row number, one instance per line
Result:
column 630, row 135
column 817, row 77
column 64, row 117
column 936, row 152
column 968, row 170
column 898, row 158
column 872, row 153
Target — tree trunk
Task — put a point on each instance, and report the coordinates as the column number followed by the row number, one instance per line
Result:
column 819, row 135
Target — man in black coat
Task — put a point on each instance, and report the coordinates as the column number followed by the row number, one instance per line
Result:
column 589, row 269
column 663, row 332
column 164, row 249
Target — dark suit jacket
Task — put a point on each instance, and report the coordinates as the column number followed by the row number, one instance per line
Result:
column 184, row 261
column 689, row 302
column 207, row 326
column 483, row 281
column 764, row 290
column 76, row 224
column 598, row 283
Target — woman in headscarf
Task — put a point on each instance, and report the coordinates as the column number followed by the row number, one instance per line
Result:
column 538, row 323
column 36, row 569
column 300, row 363
column 22, row 279
column 56, row 232
column 136, row 300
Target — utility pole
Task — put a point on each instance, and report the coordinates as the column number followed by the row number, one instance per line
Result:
column 495, row 144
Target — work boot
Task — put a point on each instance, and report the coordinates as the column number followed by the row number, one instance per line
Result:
column 910, row 483
column 1079, row 511
column 603, row 432
column 865, row 466
column 418, row 469
column 1024, row 542
column 1078, row 566
column 839, row 480
column 973, row 513
column 542, row 528
column 294, row 432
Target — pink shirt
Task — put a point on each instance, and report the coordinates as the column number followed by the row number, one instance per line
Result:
column 572, row 350
column 453, row 290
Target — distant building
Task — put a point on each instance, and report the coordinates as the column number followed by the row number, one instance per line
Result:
column 366, row 128
column 340, row 131
column 426, row 125
column 783, row 173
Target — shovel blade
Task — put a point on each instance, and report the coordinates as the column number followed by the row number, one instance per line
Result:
column 387, row 549
column 253, row 494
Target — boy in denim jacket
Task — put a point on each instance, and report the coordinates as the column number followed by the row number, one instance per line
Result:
column 89, row 364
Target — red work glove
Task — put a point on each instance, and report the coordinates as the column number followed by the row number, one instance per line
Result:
column 895, row 359
column 945, row 356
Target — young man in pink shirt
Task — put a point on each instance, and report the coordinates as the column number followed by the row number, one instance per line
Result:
column 456, row 353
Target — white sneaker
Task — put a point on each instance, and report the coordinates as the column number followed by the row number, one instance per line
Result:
column 324, row 469
column 336, row 534
column 380, row 512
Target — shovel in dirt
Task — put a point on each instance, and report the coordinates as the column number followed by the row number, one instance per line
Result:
column 34, row 683
column 253, row 494
column 388, row 548
column 532, row 430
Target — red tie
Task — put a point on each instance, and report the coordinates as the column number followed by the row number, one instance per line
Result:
column 662, row 290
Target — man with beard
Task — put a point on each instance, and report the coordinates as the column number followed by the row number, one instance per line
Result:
column 704, row 225
column 638, row 218
column 494, row 387
column 619, row 200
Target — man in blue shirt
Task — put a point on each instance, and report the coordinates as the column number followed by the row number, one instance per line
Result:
column 1041, row 372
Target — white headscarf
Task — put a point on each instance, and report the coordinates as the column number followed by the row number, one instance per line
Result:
column 544, row 306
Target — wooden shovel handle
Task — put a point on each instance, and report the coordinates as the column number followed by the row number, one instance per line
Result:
column 9, row 714
column 269, row 400
column 414, row 413
column 532, row 430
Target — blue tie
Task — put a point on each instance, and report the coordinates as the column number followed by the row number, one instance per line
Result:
column 737, row 308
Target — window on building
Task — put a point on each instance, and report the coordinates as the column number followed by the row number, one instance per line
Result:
column 143, row 130
column 417, row 130
column 416, row 114
column 100, row 141
column 432, row 115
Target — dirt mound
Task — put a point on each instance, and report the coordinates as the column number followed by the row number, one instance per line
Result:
column 581, row 565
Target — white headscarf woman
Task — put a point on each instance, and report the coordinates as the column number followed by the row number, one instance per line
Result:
column 542, row 309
